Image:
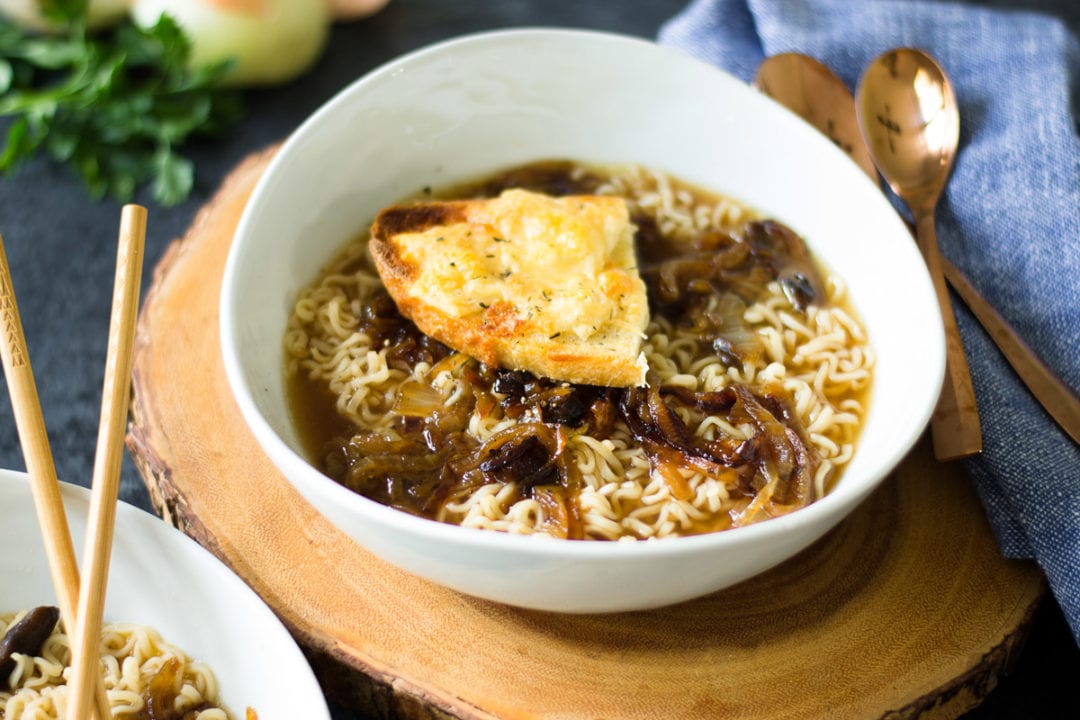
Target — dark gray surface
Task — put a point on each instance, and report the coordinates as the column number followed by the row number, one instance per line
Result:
column 61, row 248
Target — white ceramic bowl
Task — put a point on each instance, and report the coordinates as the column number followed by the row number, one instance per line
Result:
column 161, row 578
column 486, row 102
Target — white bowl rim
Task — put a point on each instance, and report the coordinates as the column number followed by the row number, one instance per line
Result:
column 840, row 500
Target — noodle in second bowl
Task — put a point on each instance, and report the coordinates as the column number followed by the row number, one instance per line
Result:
column 132, row 656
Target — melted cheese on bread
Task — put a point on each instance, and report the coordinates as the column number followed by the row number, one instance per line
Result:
column 524, row 281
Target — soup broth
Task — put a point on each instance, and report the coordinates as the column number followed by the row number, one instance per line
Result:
column 759, row 372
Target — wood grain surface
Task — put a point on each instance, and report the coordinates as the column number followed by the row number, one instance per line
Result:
column 904, row 610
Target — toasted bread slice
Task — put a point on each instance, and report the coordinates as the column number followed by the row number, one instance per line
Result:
column 523, row 281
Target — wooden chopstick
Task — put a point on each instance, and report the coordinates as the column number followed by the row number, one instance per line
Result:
column 107, row 459
column 44, row 484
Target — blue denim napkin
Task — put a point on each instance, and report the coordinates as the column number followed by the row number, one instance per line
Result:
column 1010, row 217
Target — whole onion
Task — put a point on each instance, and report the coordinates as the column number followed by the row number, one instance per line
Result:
column 272, row 41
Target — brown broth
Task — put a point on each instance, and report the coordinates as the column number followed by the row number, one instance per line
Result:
column 323, row 431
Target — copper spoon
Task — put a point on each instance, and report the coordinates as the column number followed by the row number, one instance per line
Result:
column 811, row 90
column 907, row 110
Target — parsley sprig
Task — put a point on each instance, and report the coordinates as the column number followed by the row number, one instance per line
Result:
column 115, row 106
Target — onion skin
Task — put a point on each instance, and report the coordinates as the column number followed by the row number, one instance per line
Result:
column 272, row 41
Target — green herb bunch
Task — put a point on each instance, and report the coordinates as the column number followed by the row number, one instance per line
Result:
column 114, row 105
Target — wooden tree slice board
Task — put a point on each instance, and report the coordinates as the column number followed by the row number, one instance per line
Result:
column 905, row 610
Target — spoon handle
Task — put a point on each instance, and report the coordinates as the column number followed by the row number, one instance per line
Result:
column 955, row 423
column 1055, row 396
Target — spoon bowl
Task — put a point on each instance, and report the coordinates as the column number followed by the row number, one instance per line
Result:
column 908, row 111
column 812, row 91
column 909, row 117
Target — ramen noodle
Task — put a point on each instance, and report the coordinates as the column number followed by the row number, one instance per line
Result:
column 133, row 658
column 759, row 376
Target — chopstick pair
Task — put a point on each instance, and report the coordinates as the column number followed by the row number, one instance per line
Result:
column 81, row 604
